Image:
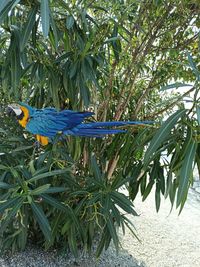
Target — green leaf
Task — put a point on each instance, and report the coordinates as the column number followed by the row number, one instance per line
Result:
column 47, row 174
column 148, row 190
column 69, row 22
column 143, row 184
column 123, row 202
column 95, row 168
column 11, row 213
column 162, row 134
column 45, row 17
column 72, row 241
column 58, row 205
column 41, row 189
column 22, row 148
column 53, row 190
column 186, row 171
column 157, row 197
column 7, row 204
column 26, row 31
column 198, row 114
column 3, row 4
column 113, row 233
column 55, row 203
column 42, row 220
column 105, row 235
column 55, row 31
column 3, row 167
column 5, row 185
column 112, row 39
column 193, row 65
column 174, row 85
column 6, row 8
column 15, row 62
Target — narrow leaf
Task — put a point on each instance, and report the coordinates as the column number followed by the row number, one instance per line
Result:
column 157, row 197
column 47, row 174
column 55, row 203
column 72, row 241
column 42, row 220
column 3, row 167
column 53, row 190
column 6, row 8
column 95, row 168
column 174, row 85
column 11, row 213
column 113, row 39
column 22, row 148
column 193, row 65
column 123, row 202
column 69, row 22
column 5, row 185
column 54, row 29
column 198, row 114
column 113, row 233
column 45, row 17
column 7, row 204
column 3, row 4
column 26, row 31
column 147, row 190
column 162, row 134
column 41, row 189
column 186, row 171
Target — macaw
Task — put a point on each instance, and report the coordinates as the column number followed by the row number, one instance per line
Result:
column 46, row 123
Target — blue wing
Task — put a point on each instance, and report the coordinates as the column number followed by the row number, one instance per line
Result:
column 48, row 122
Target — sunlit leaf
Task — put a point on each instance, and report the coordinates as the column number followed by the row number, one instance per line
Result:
column 193, row 65
column 3, row 4
column 69, row 22
column 174, row 85
column 45, row 17
column 41, row 189
column 162, row 134
column 6, row 8
column 198, row 114
column 186, row 171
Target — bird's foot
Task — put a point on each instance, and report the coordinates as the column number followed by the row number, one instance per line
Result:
column 36, row 144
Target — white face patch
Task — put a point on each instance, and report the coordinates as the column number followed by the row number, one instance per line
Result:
column 16, row 109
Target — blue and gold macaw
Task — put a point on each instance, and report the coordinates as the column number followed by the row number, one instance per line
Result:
column 48, row 122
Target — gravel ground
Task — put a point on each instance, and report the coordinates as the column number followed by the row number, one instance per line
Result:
column 167, row 240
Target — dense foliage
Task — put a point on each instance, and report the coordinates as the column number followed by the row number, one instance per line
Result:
column 112, row 57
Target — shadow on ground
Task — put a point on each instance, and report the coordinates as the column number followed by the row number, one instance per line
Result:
column 35, row 257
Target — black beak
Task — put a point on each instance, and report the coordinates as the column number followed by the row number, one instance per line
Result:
column 10, row 112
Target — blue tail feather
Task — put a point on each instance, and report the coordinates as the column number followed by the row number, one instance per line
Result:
column 112, row 124
column 91, row 132
column 97, row 129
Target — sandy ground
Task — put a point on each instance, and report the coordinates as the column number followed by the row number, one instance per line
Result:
column 167, row 240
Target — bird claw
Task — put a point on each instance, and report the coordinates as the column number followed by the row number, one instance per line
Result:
column 36, row 144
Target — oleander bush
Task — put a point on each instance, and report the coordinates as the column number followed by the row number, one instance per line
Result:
column 118, row 59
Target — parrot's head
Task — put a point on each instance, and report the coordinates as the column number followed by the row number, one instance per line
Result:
column 15, row 110
column 21, row 111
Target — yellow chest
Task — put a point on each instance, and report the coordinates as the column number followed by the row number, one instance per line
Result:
column 42, row 139
column 25, row 118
